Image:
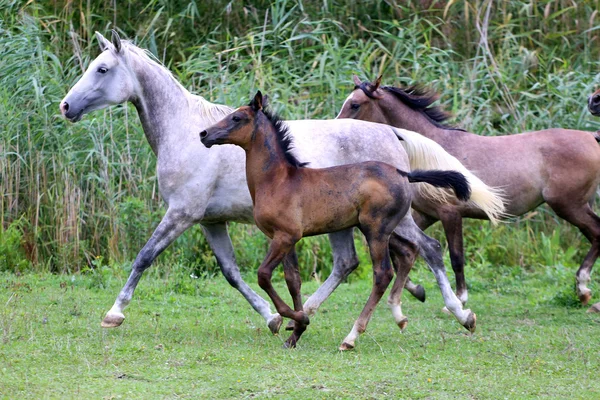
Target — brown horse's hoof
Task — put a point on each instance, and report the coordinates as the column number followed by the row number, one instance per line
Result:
column 402, row 324
column 112, row 321
column 471, row 322
column 290, row 325
column 585, row 298
column 346, row 346
column 419, row 293
column 595, row 308
column 289, row 344
column 275, row 324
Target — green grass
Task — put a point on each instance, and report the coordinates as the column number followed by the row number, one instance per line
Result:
column 198, row 338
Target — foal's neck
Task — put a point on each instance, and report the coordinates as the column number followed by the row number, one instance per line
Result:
column 266, row 163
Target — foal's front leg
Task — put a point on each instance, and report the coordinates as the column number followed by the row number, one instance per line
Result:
column 294, row 284
column 280, row 246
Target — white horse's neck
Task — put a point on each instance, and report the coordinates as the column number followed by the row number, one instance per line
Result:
column 170, row 115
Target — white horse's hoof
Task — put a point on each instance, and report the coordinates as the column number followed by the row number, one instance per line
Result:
column 112, row 320
column 275, row 323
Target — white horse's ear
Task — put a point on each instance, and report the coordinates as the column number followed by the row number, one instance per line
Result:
column 102, row 41
column 116, row 40
column 357, row 81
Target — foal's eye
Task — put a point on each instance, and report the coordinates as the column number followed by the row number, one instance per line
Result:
column 354, row 106
column 235, row 118
column 102, row 70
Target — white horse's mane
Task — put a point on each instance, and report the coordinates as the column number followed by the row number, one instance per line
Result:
column 213, row 112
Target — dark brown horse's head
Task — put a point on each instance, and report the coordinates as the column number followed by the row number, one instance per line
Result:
column 236, row 128
column 594, row 103
column 363, row 103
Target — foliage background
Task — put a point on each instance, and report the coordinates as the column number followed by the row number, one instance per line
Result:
column 83, row 197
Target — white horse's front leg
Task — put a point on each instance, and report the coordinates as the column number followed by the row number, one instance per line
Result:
column 344, row 262
column 170, row 228
column 220, row 243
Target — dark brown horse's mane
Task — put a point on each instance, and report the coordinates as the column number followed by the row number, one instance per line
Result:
column 418, row 98
column 284, row 139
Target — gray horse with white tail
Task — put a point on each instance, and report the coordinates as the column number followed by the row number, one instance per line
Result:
column 208, row 186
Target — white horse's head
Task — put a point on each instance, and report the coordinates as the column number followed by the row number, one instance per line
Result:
column 108, row 80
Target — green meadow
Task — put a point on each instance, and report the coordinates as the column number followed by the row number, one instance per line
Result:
column 78, row 201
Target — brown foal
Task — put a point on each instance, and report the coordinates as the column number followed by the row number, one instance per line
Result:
column 560, row 167
column 291, row 202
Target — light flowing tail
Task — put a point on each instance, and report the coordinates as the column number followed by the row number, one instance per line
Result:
column 425, row 154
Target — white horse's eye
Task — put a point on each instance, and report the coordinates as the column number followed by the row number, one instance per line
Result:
column 102, row 70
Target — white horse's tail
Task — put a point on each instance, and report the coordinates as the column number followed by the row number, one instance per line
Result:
column 426, row 154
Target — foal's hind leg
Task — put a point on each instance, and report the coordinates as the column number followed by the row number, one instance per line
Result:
column 403, row 254
column 220, row 243
column 382, row 276
column 169, row 229
column 589, row 224
column 294, row 284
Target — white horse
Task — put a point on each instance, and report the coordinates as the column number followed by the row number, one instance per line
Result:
column 208, row 186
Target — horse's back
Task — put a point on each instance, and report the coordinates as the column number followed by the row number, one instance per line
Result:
column 326, row 143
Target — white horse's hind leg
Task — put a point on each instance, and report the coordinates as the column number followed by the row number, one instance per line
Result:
column 344, row 262
column 169, row 229
column 431, row 251
column 220, row 243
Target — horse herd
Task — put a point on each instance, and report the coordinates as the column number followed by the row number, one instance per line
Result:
column 388, row 165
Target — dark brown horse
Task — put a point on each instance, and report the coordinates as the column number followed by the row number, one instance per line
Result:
column 291, row 202
column 560, row 167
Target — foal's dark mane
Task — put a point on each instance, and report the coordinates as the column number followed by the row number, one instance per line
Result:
column 284, row 139
column 418, row 98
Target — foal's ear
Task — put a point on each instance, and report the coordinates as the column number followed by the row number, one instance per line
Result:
column 377, row 83
column 357, row 81
column 102, row 41
column 257, row 102
column 116, row 40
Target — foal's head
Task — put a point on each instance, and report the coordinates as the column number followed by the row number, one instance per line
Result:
column 107, row 81
column 237, row 128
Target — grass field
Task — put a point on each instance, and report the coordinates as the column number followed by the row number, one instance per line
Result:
column 198, row 338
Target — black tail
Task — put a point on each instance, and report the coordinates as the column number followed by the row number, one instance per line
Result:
column 446, row 179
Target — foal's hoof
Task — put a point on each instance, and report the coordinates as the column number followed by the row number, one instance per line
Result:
column 595, row 308
column 112, row 320
column 346, row 346
column 402, row 324
column 471, row 322
column 290, row 325
column 275, row 323
column 584, row 298
column 419, row 293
